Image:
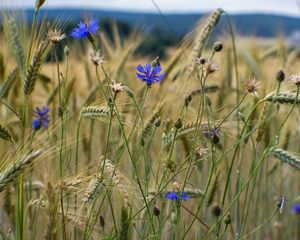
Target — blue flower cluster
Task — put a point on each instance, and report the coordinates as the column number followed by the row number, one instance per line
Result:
column 296, row 208
column 86, row 29
column 41, row 118
column 150, row 74
column 177, row 196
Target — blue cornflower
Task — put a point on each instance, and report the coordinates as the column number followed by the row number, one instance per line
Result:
column 150, row 74
column 177, row 196
column 41, row 118
column 214, row 132
column 86, row 29
column 296, row 208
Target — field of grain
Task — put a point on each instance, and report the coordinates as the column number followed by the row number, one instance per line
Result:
column 98, row 143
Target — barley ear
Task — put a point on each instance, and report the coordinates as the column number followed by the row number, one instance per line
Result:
column 204, row 33
column 95, row 112
column 16, row 43
column 125, row 224
column 282, row 98
column 33, row 70
column 5, row 134
column 287, row 157
column 16, row 169
column 6, row 85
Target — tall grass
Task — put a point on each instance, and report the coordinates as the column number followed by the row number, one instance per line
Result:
column 198, row 155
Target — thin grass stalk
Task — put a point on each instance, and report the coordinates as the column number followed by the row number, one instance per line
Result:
column 130, row 156
column 264, row 155
column 212, row 166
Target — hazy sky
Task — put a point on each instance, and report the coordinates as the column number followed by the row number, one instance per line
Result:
column 276, row 6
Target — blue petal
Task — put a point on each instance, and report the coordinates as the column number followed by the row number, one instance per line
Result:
column 140, row 68
column 296, row 208
column 157, row 70
column 185, row 197
column 36, row 124
column 81, row 31
column 45, row 123
column 148, row 68
column 172, row 196
column 94, row 26
column 140, row 76
column 161, row 77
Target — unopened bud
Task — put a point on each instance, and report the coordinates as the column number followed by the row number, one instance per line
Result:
column 129, row 92
column 202, row 60
column 227, row 219
column 157, row 122
column 280, row 76
column 216, row 210
column 155, row 62
column 67, row 51
column 187, row 100
column 178, row 124
column 218, row 46
column 156, row 211
column 39, row 4
column 101, row 221
column 60, row 111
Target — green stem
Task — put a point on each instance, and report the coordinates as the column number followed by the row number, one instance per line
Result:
column 260, row 226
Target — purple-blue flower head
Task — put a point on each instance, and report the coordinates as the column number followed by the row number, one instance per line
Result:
column 296, row 208
column 150, row 74
column 177, row 196
column 41, row 118
column 86, row 29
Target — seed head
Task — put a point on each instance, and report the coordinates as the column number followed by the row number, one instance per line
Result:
column 280, row 201
column 252, row 87
column 56, row 36
column 211, row 67
column 117, row 87
column 295, row 78
column 200, row 60
column 96, row 57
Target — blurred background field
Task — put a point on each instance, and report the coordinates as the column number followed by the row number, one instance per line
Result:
column 106, row 163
